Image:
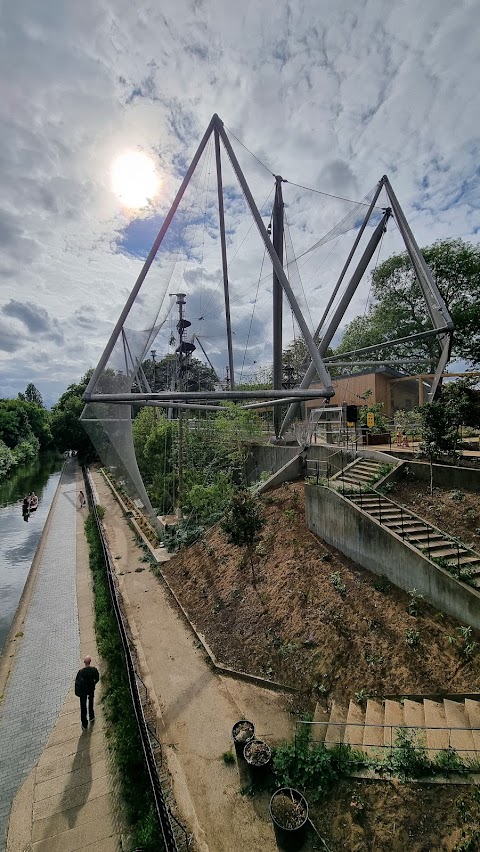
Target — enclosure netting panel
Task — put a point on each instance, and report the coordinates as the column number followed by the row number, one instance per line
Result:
column 189, row 261
column 109, row 425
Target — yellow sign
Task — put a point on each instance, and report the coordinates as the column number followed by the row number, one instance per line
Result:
column 370, row 419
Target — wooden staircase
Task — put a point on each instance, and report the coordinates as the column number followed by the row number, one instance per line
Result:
column 435, row 724
column 361, row 473
column 421, row 535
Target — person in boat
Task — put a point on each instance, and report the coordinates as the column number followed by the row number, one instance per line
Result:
column 26, row 508
column 33, row 501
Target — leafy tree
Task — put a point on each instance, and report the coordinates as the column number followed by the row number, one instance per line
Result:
column 67, row 430
column 399, row 308
column 296, row 358
column 458, row 405
column 22, row 421
column 242, row 522
column 32, row 394
column 161, row 374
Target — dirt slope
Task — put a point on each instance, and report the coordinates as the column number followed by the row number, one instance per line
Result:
column 316, row 620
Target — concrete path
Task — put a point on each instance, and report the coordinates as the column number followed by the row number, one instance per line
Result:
column 68, row 800
column 196, row 708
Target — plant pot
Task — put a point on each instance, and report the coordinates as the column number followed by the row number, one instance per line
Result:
column 258, row 756
column 242, row 732
column 289, row 813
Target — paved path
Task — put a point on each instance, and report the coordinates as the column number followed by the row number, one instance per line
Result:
column 58, row 777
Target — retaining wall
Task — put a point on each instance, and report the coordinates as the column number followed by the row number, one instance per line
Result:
column 359, row 536
column 447, row 476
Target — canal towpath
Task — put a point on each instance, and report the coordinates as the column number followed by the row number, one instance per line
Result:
column 57, row 788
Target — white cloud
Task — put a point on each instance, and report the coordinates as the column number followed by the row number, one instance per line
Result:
column 328, row 95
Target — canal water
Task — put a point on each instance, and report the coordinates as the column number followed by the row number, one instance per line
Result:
column 18, row 538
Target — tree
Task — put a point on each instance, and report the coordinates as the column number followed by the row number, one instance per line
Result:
column 32, row 394
column 67, row 430
column 161, row 374
column 399, row 308
column 296, row 359
column 242, row 522
column 458, row 405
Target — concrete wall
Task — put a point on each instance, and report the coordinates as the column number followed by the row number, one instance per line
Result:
column 291, row 471
column 272, row 457
column 364, row 540
column 268, row 458
column 447, row 476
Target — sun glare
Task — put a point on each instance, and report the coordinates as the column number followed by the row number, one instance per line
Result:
column 134, row 179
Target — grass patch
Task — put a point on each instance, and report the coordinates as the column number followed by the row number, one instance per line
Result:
column 124, row 739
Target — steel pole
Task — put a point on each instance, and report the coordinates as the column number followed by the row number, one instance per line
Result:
column 340, row 311
column 223, row 243
column 146, row 266
column 277, row 300
column 323, row 373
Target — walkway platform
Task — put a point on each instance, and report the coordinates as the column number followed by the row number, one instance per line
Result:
column 58, row 790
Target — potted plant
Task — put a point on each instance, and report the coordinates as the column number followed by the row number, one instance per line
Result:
column 258, row 756
column 289, row 813
column 242, row 732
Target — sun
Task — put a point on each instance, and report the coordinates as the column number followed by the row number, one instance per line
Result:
column 134, row 179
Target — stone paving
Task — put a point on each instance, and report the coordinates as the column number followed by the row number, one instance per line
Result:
column 48, row 654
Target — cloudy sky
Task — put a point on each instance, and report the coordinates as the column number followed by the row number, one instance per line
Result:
column 330, row 95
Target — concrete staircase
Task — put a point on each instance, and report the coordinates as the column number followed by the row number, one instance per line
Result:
column 421, row 535
column 361, row 473
column 436, row 724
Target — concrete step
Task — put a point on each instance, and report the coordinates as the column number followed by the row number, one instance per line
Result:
column 336, row 726
column 426, row 537
column 461, row 737
column 355, row 726
column 436, row 727
column 409, row 528
column 414, row 715
column 373, row 731
column 393, row 720
column 472, row 709
column 445, row 551
column 321, row 717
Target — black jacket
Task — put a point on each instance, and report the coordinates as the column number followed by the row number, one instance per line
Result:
column 86, row 680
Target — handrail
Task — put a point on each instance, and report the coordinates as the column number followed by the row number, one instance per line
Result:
column 391, row 728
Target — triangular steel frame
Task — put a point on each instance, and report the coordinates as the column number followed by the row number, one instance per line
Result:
column 443, row 325
column 216, row 128
column 442, row 322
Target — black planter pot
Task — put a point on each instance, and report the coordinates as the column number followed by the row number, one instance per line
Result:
column 242, row 732
column 289, row 839
column 258, row 756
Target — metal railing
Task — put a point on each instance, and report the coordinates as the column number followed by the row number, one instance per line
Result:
column 472, row 764
column 150, row 743
column 408, row 518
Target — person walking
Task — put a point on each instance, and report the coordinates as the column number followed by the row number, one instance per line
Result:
column 81, row 497
column 85, row 683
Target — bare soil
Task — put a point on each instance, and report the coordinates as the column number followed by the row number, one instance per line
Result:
column 314, row 619
column 317, row 621
column 454, row 511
